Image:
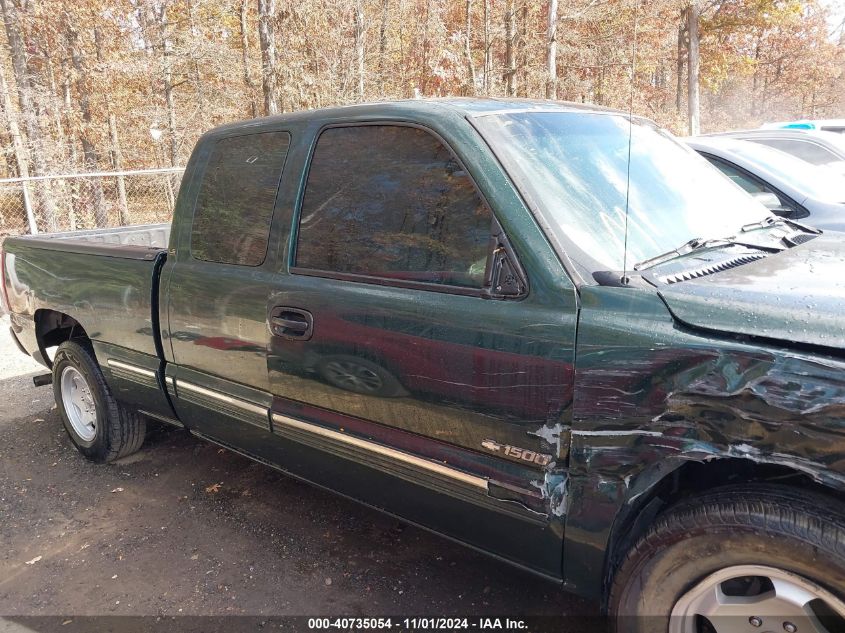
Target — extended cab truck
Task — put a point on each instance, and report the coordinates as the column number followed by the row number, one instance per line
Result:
column 596, row 359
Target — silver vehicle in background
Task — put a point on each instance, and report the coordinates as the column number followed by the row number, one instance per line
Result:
column 787, row 186
column 820, row 148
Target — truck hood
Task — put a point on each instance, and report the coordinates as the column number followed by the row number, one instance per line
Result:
column 797, row 295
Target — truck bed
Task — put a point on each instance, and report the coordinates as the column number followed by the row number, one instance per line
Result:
column 105, row 278
column 129, row 242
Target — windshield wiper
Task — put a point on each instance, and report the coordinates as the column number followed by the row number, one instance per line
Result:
column 699, row 243
column 685, row 248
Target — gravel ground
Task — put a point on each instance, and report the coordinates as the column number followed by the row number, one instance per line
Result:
column 186, row 528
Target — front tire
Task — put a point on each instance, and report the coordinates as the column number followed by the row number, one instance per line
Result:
column 755, row 558
column 101, row 428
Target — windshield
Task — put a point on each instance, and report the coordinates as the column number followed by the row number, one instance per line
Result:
column 571, row 167
column 821, row 182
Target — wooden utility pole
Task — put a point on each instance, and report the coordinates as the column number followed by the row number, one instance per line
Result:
column 551, row 52
column 266, row 15
column 693, row 90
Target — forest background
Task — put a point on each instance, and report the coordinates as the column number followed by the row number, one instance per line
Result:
column 102, row 85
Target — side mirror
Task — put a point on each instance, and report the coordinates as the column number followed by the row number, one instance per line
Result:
column 773, row 204
column 768, row 200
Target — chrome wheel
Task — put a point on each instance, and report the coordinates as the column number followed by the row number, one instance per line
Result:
column 755, row 598
column 78, row 403
column 353, row 376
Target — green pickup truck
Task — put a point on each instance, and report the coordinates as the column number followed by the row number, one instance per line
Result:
column 547, row 331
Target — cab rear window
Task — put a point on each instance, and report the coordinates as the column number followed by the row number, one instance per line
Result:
column 234, row 206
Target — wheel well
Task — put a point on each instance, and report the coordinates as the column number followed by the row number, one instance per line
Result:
column 694, row 478
column 54, row 328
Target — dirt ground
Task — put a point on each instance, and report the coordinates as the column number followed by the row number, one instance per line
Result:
column 186, row 528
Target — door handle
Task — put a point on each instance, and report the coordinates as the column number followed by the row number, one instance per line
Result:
column 291, row 323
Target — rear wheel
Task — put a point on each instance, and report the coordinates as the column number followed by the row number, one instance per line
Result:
column 101, row 428
column 738, row 559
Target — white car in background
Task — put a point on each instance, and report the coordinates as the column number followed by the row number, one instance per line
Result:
column 789, row 187
column 823, row 149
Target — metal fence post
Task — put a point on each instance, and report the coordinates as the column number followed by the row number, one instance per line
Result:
column 27, row 205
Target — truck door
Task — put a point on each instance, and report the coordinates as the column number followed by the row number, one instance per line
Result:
column 440, row 397
column 218, row 287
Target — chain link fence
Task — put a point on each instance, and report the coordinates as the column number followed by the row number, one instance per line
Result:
column 70, row 202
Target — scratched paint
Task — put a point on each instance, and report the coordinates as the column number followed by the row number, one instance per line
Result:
column 652, row 395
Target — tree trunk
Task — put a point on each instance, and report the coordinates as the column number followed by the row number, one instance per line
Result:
column 117, row 165
column 359, row 46
column 510, row 36
column 468, row 50
column 89, row 149
column 692, row 66
column 19, row 149
column 551, row 52
column 488, row 62
column 27, row 108
column 167, row 78
column 248, row 82
column 682, row 45
column 266, row 14
column 382, row 44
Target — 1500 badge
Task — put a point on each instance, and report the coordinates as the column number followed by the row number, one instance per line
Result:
column 515, row 452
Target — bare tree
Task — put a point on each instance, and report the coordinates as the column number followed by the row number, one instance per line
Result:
column 488, row 60
column 551, row 51
column 28, row 109
column 89, row 149
column 468, row 49
column 692, row 67
column 681, row 52
column 117, row 165
column 359, row 46
column 18, row 147
column 248, row 82
column 510, row 56
column 266, row 14
column 382, row 43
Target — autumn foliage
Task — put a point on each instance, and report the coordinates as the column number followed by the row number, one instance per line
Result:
column 98, row 84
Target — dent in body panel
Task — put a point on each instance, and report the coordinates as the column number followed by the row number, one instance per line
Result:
column 651, row 396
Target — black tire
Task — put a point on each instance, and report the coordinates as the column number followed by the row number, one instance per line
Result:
column 119, row 431
column 375, row 379
column 800, row 532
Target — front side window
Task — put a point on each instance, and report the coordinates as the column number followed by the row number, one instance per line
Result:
column 235, row 203
column 392, row 202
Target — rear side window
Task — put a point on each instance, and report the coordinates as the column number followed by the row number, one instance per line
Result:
column 805, row 150
column 392, row 202
column 235, row 203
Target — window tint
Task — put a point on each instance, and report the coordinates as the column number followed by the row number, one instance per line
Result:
column 235, row 202
column 805, row 150
column 391, row 201
column 751, row 185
